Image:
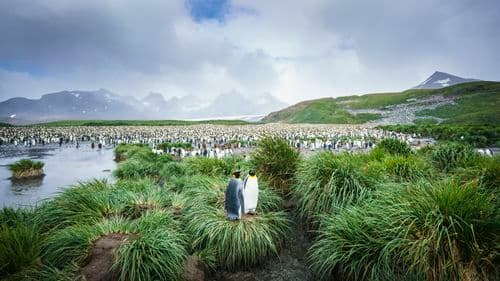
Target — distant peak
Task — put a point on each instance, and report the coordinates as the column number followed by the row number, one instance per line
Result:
column 441, row 79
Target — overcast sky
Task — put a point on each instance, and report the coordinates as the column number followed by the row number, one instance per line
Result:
column 294, row 50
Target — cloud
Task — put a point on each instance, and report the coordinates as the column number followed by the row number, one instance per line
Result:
column 294, row 50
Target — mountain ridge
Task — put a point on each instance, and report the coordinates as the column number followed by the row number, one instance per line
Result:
column 106, row 105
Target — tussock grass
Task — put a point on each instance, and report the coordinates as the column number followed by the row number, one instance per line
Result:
column 86, row 203
column 173, row 169
column 276, row 162
column 154, row 250
column 26, row 168
column 394, row 146
column 139, row 162
column 240, row 244
column 136, row 169
column 449, row 156
column 12, row 217
column 326, row 182
column 187, row 184
column 407, row 168
column 428, row 231
column 135, row 185
column 207, row 166
column 20, row 247
column 139, row 203
column 126, row 151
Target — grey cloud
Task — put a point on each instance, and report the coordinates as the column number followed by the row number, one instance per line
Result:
column 293, row 49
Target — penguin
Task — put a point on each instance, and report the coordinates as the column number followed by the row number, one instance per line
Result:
column 250, row 193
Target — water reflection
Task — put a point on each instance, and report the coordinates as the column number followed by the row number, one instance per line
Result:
column 64, row 166
column 18, row 186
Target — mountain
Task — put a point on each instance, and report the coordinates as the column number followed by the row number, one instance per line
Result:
column 465, row 103
column 100, row 104
column 105, row 105
column 442, row 79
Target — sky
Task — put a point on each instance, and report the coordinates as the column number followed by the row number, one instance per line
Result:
column 294, row 50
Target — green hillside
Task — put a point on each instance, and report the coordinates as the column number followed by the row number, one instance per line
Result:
column 325, row 110
column 476, row 103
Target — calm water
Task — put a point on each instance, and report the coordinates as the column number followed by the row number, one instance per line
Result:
column 64, row 167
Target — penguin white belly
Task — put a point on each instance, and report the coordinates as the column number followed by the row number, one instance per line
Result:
column 251, row 194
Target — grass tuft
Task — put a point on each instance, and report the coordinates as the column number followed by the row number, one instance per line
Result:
column 240, row 244
column 276, row 162
column 326, row 182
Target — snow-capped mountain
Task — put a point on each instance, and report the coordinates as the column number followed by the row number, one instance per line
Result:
column 100, row 104
column 442, row 79
column 103, row 104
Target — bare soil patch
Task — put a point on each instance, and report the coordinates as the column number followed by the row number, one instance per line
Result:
column 193, row 269
column 101, row 257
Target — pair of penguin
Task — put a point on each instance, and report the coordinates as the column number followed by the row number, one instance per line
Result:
column 241, row 196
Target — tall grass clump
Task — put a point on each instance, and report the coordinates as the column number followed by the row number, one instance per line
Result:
column 326, row 182
column 12, row 217
column 136, row 168
column 449, row 156
column 485, row 170
column 20, row 247
column 207, row 166
column 173, row 169
column 26, row 168
column 85, row 203
column 126, row 151
column 149, row 248
column 187, row 184
column 394, row 146
column 276, row 162
column 425, row 231
column 138, row 203
column 406, row 168
column 157, row 253
column 139, row 161
column 237, row 244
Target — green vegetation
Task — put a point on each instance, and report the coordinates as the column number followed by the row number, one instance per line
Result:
column 26, row 168
column 327, row 182
column 325, row 110
column 72, row 123
column 431, row 231
column 141, row 162
column 394, row 147
column 479, row 136
column 477, row 103
column 391, row 214
column 447, row 157
column 131, row 230
column 276, row 161
column 5, row 125
column 185, row 145
column 20, row 241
